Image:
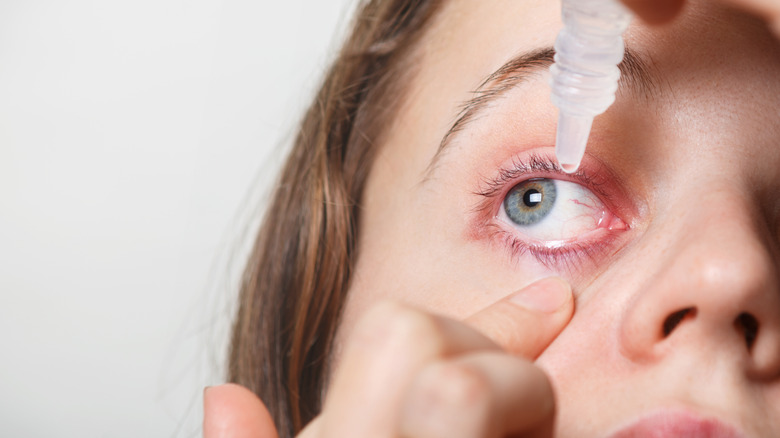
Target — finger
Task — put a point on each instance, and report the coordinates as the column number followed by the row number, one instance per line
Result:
column 655, row 11
column 769, row 10
column 478, row 395
column 526, row 322
column 232, row 411
column 386, row 349
column 312, row 430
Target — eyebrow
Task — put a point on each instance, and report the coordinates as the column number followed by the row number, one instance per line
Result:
column 635, row 73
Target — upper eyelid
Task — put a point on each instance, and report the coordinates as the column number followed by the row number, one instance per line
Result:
column 537, row 163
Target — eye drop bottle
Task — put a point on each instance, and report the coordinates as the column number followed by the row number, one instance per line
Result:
column 585, row 73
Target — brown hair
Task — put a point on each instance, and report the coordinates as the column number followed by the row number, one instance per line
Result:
column 296, row 280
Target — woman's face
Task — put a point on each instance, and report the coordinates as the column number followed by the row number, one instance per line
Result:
column 675, row 209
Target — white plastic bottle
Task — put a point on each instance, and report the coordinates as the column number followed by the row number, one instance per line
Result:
column 585, row 74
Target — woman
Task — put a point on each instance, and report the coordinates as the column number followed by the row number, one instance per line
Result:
column 418, row 271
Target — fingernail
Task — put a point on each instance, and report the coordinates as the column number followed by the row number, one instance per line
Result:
column 208, row 419
column 206, row 396
column 546, row 295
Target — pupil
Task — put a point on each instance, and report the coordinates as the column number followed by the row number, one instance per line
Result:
column 532, row 198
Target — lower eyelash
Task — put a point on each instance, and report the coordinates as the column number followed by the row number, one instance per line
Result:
column 571, row 256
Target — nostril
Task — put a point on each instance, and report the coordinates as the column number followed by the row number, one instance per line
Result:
column 673, row 320
column 747, row 325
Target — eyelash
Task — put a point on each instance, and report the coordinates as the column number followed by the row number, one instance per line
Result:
column 569, row 256
column 519, row 169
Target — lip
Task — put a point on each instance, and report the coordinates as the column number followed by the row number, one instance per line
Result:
column 676, row 424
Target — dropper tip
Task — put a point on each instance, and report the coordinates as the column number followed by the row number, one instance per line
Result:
column 570, row 141
column 570, row 167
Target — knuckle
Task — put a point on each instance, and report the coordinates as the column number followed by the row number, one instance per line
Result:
column 391, row 325
column 457, row 387
column 451, row 399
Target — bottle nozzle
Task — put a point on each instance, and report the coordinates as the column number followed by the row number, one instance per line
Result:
column 570, row 141
column 585, row 75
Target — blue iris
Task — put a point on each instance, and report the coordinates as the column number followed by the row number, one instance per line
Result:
column 530, row 201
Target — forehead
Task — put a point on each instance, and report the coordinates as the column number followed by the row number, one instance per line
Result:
column 717, row 72
column 465, row 43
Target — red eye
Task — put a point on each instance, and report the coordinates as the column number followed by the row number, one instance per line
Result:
column 550, row 210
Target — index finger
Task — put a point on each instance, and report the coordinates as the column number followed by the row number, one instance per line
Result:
column 233, row 411
column 386, row 349
column 655, row 11
column 769, row 10
column 526, row 322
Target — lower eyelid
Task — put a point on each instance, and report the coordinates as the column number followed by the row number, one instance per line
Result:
column 608, row 224
column 567, row 257
column 571, row 254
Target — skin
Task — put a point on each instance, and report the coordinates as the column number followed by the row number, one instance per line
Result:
column 448, row 334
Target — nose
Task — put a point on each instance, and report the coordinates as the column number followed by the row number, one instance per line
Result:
column 713, row 286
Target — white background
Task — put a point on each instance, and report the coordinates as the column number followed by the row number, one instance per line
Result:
column 137, row 139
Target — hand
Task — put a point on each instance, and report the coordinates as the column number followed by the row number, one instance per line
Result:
column 407, row 373
column 662, row 11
